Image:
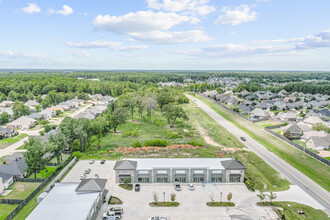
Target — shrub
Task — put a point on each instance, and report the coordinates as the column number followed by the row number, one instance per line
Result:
column 43, row 122
column 134, row 133
column 171, row 134
column 42, row 133
column 77, row 154
column 137, row 144
column 156, row 142
column 249, row 184
column 158, row 123
column 195, row 143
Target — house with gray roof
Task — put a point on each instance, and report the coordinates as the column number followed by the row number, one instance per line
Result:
column 259, row 113
column 7, row 132
column 21, row 122
column 319, row 143
column 294, row 130
column 183, row 170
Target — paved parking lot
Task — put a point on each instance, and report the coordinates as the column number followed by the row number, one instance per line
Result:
column 192, row 203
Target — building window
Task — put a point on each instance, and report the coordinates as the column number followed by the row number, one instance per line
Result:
column 198, row 179
column 180, row 179
column 216, row 179
column 143, row 179
column 235, row 179
column 162, row 180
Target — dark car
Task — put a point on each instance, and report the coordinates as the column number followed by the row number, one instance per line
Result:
column 137, row 187
column 243, row 139
column 102, row 161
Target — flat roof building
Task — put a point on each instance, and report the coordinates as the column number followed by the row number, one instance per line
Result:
column 71, row 201
column 185, row 170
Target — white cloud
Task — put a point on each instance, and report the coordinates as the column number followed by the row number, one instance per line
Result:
column 140, row 21
column 151, row 26
column 82, row 53
column 172, row 36
column 194, row 7
column 240, row 14
column 275, row 47
column 66, row 10
column 116, row 46
column 31, row 9
column 10, row 54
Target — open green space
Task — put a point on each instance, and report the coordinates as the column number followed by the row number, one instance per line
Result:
column 8, row 141
column 64, row 158
column 290, row 211
column 312, row 168
column 5, row 210
column 43, row 174
column 21, row 190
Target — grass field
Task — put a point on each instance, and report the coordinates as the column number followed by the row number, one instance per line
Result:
column 290, row 210
column 5, row 210
column 21, row 190
column 43, row 174
column 8, row 141
column 64, row 158
column 307, row 165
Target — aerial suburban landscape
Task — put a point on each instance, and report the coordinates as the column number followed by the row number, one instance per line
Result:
column 165, row 110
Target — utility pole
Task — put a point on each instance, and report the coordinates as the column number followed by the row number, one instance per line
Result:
column 220, row 198
column 164, row 198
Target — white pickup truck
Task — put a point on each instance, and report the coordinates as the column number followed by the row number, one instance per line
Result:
column 114, row 213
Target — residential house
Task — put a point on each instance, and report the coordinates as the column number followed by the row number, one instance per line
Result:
column 319, row 143
column 8, row 110
column 21, row 122
column 86, row 114
column 5, row 181
column 13, row 157
column 8, row 172
column 313, row 120
column 32, row 105
column 288, row 116
column 7, row 132
column 288, row 98
column 259, row 113
column 308, row 135
column 295, row 130
column 5, row 104
column 232, row 101
column 264, row 105
column 305, row 127
column 55, row 108
column 280, row 105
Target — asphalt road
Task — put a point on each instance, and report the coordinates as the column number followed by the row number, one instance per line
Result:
column 294, row 176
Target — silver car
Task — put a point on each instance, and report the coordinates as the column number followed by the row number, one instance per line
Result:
column 191, row 187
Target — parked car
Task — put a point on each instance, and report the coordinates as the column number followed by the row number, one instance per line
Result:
column 177, row 186
column 157, row 218
column 102, row 161
column 87, row 170
column 191, row 187
column 91, row 161
column 113, row 213
column 137, row 187
column 96, row 176
column 83, row 176
column 243, row 139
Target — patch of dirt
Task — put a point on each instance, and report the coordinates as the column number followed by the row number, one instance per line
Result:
column 207, row 138
column 324, row 153
column 229, row 149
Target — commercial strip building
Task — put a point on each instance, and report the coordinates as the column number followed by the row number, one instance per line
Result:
column 67, row 201
column 184, row 170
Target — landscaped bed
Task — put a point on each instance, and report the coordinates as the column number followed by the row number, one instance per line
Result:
column 162, row 204
column 126, row 186
column 114, row 201
column 220, row 204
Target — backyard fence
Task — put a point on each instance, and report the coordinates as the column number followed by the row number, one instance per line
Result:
column 304, row 149
column 31, row 180
column 22, row 203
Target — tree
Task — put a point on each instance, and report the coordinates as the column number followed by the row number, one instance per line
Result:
column 164, row 98
column 75, row 146
column 173, row 197
column 126, row 182
column 150, row 103
column 287, row 134
column 4, row 118
column 155, row 197
column 59, row 144
column 229, row 196
column 272, row 196
column 117, row 117
column 19, row 109
column 173, row 112
column 38, row 108
column 34, row 156
column 262, row 196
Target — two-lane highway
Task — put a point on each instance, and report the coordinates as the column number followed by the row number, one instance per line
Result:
column 286, row 170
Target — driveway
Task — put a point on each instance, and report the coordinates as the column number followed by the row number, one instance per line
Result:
column 12, row 148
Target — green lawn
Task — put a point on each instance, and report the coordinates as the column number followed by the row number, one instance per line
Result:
column 21, row 190
column 291, row 212
column 2, row 159
column 5, row 210
column 307, row 165
column 64, row 158
column 44, row 173
column 8, row 141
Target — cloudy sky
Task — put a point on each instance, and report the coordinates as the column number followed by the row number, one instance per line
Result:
column 166, row 34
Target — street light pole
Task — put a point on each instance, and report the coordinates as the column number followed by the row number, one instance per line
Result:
column 220, row 198
column 164, row 198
